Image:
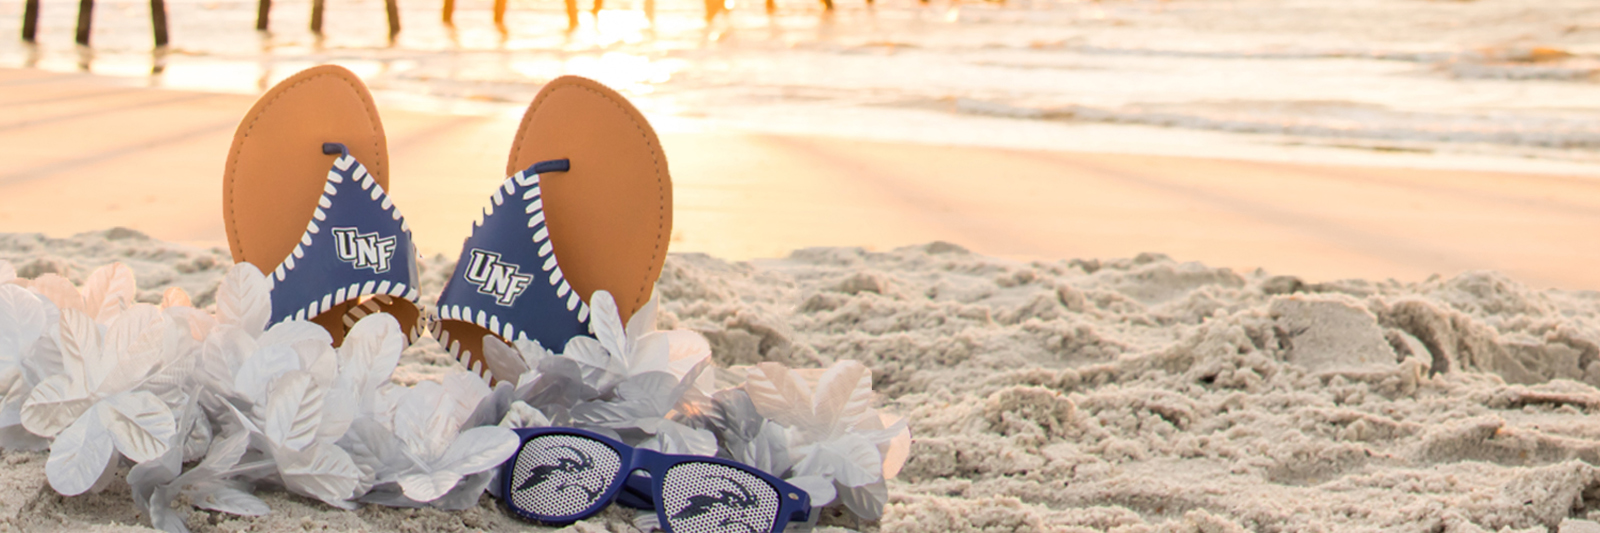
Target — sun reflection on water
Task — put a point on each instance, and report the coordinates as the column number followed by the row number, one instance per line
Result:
column 613, row 26
column 632, row 73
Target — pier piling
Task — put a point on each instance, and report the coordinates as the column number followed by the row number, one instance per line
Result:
column 85, row 19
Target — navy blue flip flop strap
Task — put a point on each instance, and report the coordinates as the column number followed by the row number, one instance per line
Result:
column 357, row 244
column 507, row 279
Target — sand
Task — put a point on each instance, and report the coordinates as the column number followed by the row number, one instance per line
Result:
column 1133, row 394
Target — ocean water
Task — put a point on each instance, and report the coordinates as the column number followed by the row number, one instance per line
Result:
column 1493, row 84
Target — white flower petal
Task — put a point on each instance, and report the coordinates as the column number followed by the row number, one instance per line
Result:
column 479, row 449
column 50, row 407
column 224, row 351
column 532, row 352
column 322, row 471
column 850, row 460
column 78, row 456
column 296, row 332
column 139, row 422
column 255, row 375
column 780, row 395
column 226, row 498
column 108, row 291
column 522, row 415
column 339, row 410
column 819, row 488
column 598, row 368
column 463, row 391
column 843, row 396
column 244, row 299
column 467, row 492
column 606, row 321
column 175, row 297
column 769, row 450
column 426, row 487
column 22, row 322
column 679, row 439
column 59, row 291
column 225, row 453
column 504, row 362
column 18, row 439
column 80, row 345
column 651, row 353
column 422, row 420
column 379, row 454
column 132, row 348
column 293, row 412
column 368, row 358
column 865, row 501
column 162, row 515
column 643, row 321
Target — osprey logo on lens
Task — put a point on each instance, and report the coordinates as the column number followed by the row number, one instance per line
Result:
column 738, row 500
column 568, row 472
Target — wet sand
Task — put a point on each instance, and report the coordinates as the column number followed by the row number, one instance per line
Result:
column 86, row 153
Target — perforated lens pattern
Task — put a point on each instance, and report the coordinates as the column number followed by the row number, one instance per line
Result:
column 558, row 476
column 704, row 497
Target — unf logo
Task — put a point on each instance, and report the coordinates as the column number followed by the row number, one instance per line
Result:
column 364, row 250
column 504, row 281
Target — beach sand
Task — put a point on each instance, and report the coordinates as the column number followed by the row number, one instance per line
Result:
column 1135, row 394
column 1117, row 391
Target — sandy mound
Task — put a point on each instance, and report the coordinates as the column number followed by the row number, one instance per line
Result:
column 1136, row 394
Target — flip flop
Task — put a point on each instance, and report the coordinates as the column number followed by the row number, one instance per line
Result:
column 587, row 207
column 304, row 200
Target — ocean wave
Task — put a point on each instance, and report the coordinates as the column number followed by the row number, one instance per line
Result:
column 1521, row 71
column 1336, row 120
column 1434, row 56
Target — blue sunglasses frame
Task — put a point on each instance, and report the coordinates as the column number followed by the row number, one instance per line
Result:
column 642, row 492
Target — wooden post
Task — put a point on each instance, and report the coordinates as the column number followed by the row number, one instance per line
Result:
column 158, row 21
column 499, row 12
column 262, row 9
column 316, row 16
column 393, row 7
column 30, row 20
column 449, row 11
column 85, row 17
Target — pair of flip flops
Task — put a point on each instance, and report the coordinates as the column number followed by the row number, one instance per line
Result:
column 587, row 206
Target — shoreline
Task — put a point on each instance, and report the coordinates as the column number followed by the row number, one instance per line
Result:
column 749, row 195
column 951, row 122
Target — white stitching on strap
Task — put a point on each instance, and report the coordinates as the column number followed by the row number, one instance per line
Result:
column 356, row 290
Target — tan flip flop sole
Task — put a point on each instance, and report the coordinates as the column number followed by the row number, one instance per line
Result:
column 276, row 169
column 609, row 216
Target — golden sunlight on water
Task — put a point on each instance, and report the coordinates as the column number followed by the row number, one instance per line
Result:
column 633, row 73
column 614, row 26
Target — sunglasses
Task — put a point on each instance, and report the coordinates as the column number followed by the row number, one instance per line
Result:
column 562, row 475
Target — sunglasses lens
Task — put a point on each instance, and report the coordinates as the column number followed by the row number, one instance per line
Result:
column 703, row 497
column 562, row 476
